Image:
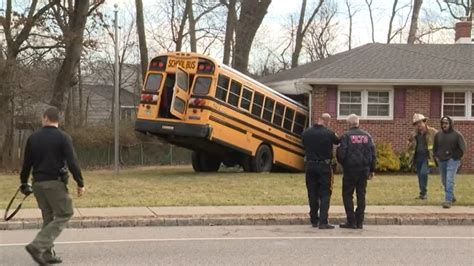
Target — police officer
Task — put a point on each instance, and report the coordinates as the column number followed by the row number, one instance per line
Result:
column 49, row 151
column 318, row 143
column 356, row 154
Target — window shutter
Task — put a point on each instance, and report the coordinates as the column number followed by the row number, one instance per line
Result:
column 399, row 102
column 331, row 101
column 435, row 103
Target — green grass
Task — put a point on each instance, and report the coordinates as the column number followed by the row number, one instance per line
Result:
column 180, row 186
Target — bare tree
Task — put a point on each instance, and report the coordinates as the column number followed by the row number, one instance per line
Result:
column 394, row 12
column 251, row 16
column 302, row 29
column 12, row 23
column 414, row 21
column 350, row 13
column 322, row 33
column 141, row 37
column 230, row 28
column 458, row 8
column 369, row 6
column 392, row 33
column 72, row 21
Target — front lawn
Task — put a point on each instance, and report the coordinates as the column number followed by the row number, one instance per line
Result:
column 180, row 186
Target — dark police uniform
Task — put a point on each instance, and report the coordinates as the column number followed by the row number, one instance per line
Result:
column 47, row 151
column 318, row 143
column 356, row 154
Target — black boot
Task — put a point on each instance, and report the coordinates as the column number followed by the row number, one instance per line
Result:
column 348, row 226
column 36, row 254
column 51, row 258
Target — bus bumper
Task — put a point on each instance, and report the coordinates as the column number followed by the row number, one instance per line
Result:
column 170, row 128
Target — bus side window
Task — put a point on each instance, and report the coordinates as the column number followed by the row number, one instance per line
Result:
column 289, row 115
column 268, row 110
column 278, row 116
column 234, row 93
column 300, row 121
column 257, row 104
column 222, row 88
column 246, row 98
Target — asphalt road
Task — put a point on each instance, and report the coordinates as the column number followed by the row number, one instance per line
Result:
column 252, row 245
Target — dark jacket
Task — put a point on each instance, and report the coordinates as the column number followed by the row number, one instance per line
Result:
column 47, row 151
column 356, row 151
column 318, row 143
column 449, row 144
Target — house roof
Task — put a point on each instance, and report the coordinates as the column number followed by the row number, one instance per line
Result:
column 428, row 64
column 107, row 92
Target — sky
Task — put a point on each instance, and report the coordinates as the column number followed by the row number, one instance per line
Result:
column 278, row 16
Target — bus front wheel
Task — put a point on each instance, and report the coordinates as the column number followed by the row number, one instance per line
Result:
column 263, row 159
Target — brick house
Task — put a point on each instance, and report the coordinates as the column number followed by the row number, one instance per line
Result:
column 385, row 84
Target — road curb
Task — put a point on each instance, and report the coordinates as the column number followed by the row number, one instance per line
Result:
column 295, row 219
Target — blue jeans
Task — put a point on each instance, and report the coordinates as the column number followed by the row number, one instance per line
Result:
column 448, row 170
column 422, row 171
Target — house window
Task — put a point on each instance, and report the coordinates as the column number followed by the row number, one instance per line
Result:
column 458, row 103
column 366, row 103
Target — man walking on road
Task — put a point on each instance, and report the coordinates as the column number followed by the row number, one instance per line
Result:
column 318, row 143
column 356, row 154
column 421, row 146
column 449, row 147
column 50, row 153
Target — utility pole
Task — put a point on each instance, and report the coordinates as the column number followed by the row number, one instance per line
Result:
column 116, row 97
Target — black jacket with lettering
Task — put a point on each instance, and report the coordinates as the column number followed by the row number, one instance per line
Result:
column 356, row 151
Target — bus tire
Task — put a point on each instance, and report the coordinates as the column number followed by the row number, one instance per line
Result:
column 263, row 159
column 209, row 163
column 196, row 161
column 246, row 163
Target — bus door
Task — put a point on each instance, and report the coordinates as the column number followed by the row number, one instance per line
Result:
column 180, row 94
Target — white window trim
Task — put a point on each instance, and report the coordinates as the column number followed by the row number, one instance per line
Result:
column 469, row 96
column 364, row 101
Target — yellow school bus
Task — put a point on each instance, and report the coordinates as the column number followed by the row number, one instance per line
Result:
column 222, row 115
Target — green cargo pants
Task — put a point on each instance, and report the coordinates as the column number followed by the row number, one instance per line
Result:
column 56, row 207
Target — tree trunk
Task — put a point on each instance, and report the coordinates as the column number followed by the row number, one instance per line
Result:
column 74, row 38
column 299, row 37
column 369, row 6
column 251, row 16
column 301, row 31
column 394, row 11
column 350, row 24
column 180, row 37
column 192, row 26
column 6, row 114
column 142, row 37
column 229, row 30
column 414, row 21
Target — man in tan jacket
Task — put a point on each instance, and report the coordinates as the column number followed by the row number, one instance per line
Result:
column 421, row 149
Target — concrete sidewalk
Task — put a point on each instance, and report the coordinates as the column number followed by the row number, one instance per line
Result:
column 243, row 215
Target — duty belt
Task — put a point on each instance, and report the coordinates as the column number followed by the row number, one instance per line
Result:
column 327, row 161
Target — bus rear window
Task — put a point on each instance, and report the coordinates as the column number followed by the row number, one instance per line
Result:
column 153, row 82
column 201, row 85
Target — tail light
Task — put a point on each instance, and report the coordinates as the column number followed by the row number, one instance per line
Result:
column 205, row 66
column 149, row 98
column 198, row 101
column 158, row 63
